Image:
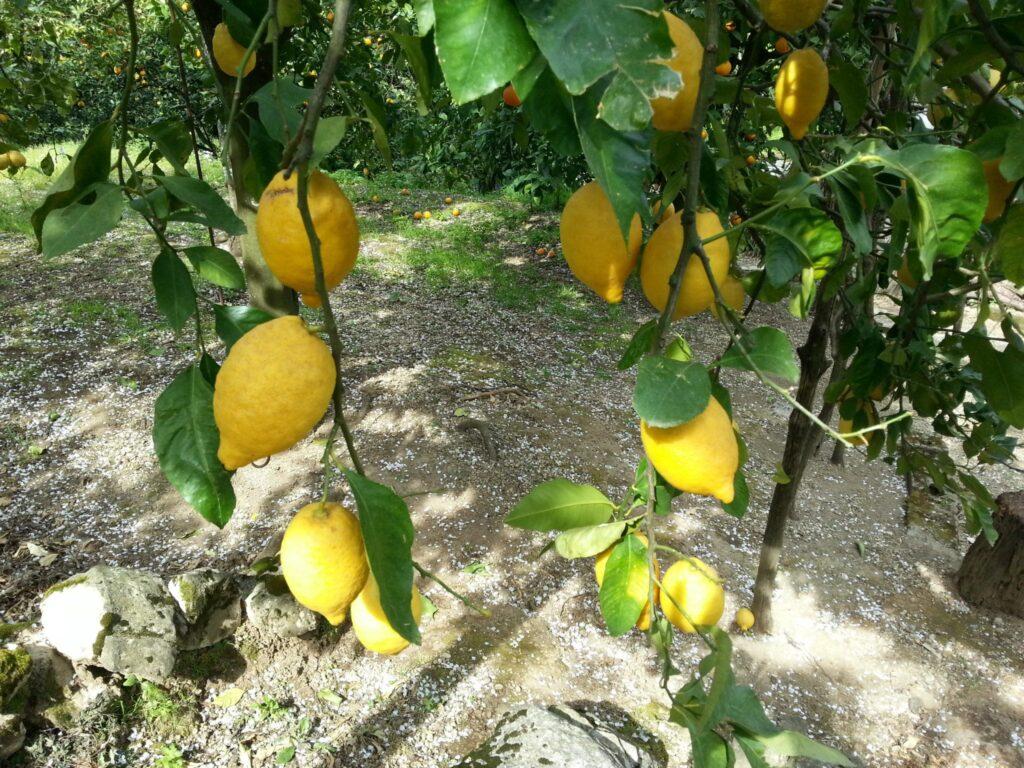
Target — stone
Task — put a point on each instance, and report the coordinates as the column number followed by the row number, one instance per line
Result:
column 535, row 736
column 272, row 609
column 15, row 669
column 210, row 605
column 119, row 619
column 12, row 735
column 50, row 682
column 88, row 692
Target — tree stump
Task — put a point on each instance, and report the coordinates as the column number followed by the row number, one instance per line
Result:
column 993, row 576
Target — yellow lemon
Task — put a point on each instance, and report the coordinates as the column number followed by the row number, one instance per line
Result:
column 323, row 560
column 593, row 244
column 699, row 456
column 999, row 189
column 16, row 159
column 228, row 52
column 868, row 419
column 274, row 386
column 744, row 619
column 283, row 239
column 643, row 622
column 693, row 586
column 372, row 627
column 800, row 90
column 662, row 254
column 732, row 292
column 791, row 15
column 676, row 113
column 5, row 161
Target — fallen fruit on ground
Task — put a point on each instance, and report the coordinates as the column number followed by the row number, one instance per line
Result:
column 375, row 198
column 999, row 189
column 791, row 15
column 372, row 628
column 274, row 386
column 662, row 254
column 744, row 619
column 456, row 212
column 447, row 201
column 643, row 622
column 283, row 240
column 691, row 595
column 676, row 113
column 323, row 560
column 800, row 90
column 417, row 215
column 594, row 247
column 228, row 52
column 426, row 214
column 699, row 456
column 510, row 97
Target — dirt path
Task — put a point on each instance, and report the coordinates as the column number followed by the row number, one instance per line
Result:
column 873, row 653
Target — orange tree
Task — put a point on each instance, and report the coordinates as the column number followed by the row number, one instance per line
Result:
column 880, row 225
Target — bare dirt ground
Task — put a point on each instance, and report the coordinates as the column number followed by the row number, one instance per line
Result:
column 874, row 653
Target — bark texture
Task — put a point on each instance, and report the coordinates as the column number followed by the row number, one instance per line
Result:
column 992, row 575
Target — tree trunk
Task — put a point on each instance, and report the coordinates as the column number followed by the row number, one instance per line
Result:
column 801, row 441
column 992, row 575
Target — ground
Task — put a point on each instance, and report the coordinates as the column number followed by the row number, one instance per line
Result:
column 873, row 653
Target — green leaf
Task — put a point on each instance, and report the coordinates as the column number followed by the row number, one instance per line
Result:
column 670, row 392
column 548, row 109
column 90, row 165
column 741, row 707
column 415, row 54
column 387, row 535
column 374, row 112
column 1001, row 375
column 931, row 25
column 588, row 541
column 285, row 755
column 79, row 223
column 798, row 238
column 174, row 141
column 326, row 694
column 626, row 585
column 1009, row 247
column 527, row 77
column 793, row 744
column 279, row 103
column 228, row 698
column 216, row 265
column 175, row 295
column 1012, row 164
column 855, row 217
column 329, row 133
column 233, row 322
column 769, row 349
column 558, row 505
column 587, row 40
column 638, row 346
column 481, row 45
column 205, row 199
column 424, row 15
column 848, row 80
column 711, row 750
column 186, row 439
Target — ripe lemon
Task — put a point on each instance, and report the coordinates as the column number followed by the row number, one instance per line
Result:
column 662, row 254
column 744, row 619
column 800, row 90
column 372, row 627
column 643, row 622
column 868, row 419
column 283, row 239
column 456, row 212
column 273, row 388
column 699, row 456
column 228, row 52
column 5, row 161
column 999, row 189
column 448, row 201
column 694, row 587
column 597, row 253
column 676, row 113
column 791, row 15
column 732, row 292
column 323, row 560
column 16, row 159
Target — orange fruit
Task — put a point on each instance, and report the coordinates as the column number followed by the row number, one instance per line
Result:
column 724, row 68
column 510, row 97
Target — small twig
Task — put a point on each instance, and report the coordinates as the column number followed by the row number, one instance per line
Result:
column 465, row 424
column 461, row 598
column 492, row 393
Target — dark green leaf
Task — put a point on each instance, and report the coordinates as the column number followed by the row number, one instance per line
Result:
column 186, row 439
column 741, row 707
column 626, row 584
column 174, row 141
column 670, row 392
column 527, row 77
column 549, row 111
column 1001, row 375
column 209, row 368
column 279, row 103
column 413, row 48
column 768, row 349
column 374, row 112
column 711, row 751
column 848, row 80
column 387, row 535
column 329, row 133
column 558, row 505
column 638, row 345
column 588, row 541
column 930, row 26
column 1009, row 247
column 82, row 222
column 216, row 265
column 798, row 238
column 204, row 199
column 231, row 323
column 175, row 295
column 1012, row 164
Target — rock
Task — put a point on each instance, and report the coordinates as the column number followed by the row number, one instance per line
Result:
column 87, row 692
column 15, row 668
column 535, row 736
column 116, row 618
column 51, row 677
column 272, row 609
column 12, row 735
column 210, row 604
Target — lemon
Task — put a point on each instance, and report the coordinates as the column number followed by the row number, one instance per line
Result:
column 800, row 90
column 699, row 456
column 323, row 560
column 283, row 238
column 273, row 388
column 693, row 586
column 662, row 254
column 593, row 244
column 744, row 619
column 662, row 212
column 732, row 292
column 676, row 113
column 791, row 15
column 999, row 189
column 868, row 419
column 5, row 161
column 372, row 627
column 228, row 53
column 16, row 159
column 643, row 622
